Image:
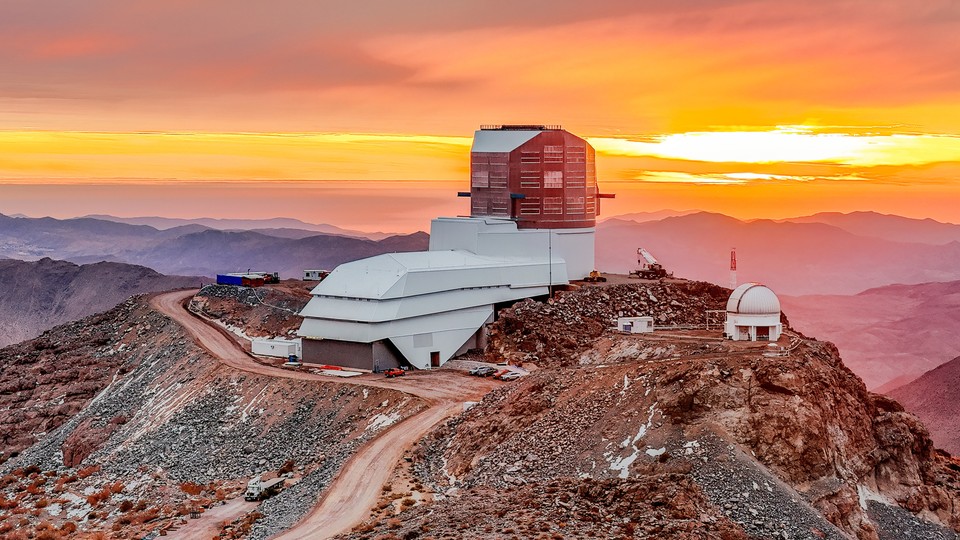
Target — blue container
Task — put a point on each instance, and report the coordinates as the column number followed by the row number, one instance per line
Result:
column 229, row 280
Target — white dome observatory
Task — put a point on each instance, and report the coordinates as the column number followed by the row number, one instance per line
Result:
column 753, row 313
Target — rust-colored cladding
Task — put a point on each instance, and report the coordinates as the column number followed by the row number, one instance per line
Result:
column 548, row 181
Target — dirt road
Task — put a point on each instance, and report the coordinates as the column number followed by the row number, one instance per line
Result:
column 208, row 526
column 428, row 385
column 356, row 488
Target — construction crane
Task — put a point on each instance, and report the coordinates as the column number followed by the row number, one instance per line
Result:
column 650, row 267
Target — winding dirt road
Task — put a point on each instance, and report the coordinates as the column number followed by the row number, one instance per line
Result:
column 356, row 488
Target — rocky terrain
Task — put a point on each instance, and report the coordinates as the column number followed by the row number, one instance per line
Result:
column 120, row 424
column 133, row 427
column 527, row 332
column 888, row 336
column 267, row 311
column 717, row 439
column 188, row 249
column 933, row 398
column 38, row 295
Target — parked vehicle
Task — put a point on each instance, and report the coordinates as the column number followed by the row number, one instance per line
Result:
column 258, row 489
column 476, row 370
column 512, row 376
column 500, row 373
column 395, row 372
column 595, row 277
column 486, row 371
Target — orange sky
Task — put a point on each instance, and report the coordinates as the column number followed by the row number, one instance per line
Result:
column 754, row 109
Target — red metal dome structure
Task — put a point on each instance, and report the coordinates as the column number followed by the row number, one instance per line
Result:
column 541, row 176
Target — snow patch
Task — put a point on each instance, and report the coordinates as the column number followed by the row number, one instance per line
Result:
column 622, row 463
column 382, row 420
column 656, row 452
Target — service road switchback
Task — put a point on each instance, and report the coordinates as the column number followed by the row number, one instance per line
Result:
column 355, row 490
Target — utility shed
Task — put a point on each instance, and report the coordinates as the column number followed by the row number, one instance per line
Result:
column 635, row 325
column 753, row 314
column 279, row 348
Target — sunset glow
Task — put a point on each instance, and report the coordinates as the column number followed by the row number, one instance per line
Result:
column 842, row 107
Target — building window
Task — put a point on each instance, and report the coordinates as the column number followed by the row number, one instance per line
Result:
column 500, row 207
column 575, row 205
column 530, row 179
column 530, row 206
column 553, row 205
column 576, row 154
column 481, row 179
column 553, row 179
column 575, row 179
column 498, row 180
column 553, row 154
column 529, row 157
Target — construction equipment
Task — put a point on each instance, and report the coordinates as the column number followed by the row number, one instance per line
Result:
column 258, row 489
column 650, row 268
column 595, row 277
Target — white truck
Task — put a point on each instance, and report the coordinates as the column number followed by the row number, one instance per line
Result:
column 258, row 489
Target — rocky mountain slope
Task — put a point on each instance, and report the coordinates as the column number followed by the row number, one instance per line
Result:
column 792, row 258
column 35, row 296
column 269, row 311
column 188, row 249
column 676, row 434
column 120, row 424
column 888, row 335
column 934, row 398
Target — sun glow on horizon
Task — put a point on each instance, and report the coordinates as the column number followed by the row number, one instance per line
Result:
column 789, row 144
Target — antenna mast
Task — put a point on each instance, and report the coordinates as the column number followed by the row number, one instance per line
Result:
column 733, row 268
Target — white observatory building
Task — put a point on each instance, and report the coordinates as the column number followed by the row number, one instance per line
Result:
column 753, row 314
column 533, row 207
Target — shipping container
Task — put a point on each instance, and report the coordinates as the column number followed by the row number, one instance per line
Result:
column 224, row 279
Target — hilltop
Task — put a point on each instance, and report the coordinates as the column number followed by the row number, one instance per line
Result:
column 38, row 295
column 675, row 434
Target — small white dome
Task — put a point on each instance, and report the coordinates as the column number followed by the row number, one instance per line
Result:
column 753, row 299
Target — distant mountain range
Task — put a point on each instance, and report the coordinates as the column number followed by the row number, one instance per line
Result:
column 191, row 249
column 935, row 399
column 302, row 228
column 35, row 296
column 887, row 227
column 791, row 257
column 888, row 336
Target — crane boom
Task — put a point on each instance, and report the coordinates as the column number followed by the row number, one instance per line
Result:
column 651, row 260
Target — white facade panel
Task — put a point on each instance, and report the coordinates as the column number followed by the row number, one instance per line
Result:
column 414, row 306
column 501, row 238
column 361, row 332
column 635, row 325
column 280, row 348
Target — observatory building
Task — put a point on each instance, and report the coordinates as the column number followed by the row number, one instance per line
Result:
column 533, row 208
column 753, row 313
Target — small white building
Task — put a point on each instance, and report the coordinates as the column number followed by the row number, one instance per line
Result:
column 279, row 348
column 635, row 325
column 753, row 314
column 315, row 275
